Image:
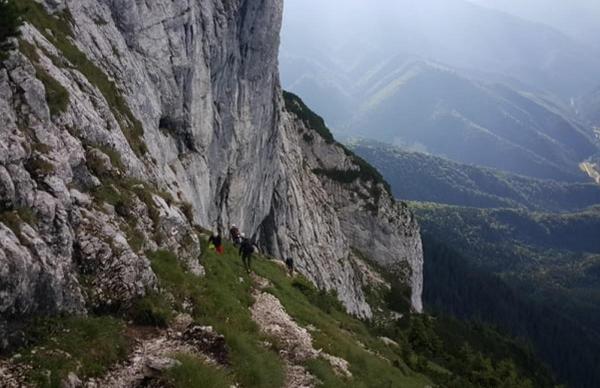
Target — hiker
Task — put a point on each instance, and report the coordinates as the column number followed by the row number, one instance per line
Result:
column 289, row 263
column 235, row 235
column 217, row 241
column 246, row 251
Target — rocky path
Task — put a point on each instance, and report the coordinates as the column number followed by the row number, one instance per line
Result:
column 153, row 351
column 295, row 341
column 11, row 374
column 152, row 354
column 146, row 362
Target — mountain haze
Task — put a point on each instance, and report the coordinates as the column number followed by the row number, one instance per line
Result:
column 580, row 19
column 452, row 78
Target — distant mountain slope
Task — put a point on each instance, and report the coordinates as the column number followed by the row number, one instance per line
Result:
column 478, row 231
column 420, row 177
column 455, row 32
column 436, row 109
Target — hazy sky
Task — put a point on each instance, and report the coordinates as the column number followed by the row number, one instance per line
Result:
column 545, row 43
column 578, row 18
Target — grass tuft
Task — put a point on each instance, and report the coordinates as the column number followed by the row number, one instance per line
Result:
column 57, row 96
column 151, row 310
column 85, row 346
column 195, row 373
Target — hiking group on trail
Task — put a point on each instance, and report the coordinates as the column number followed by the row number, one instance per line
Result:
column 246, row 247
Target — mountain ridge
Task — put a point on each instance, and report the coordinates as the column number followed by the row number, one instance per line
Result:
column 435, row 179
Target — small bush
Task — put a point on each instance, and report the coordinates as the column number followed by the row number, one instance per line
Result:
column 110, row 193
column 38, row 167
column 152, row 310
column 188, row 211
column 342, row 176
column 327, row 301
column 41, row 148
column 14, row 219
column 57, row 96
column 308, row 137
column 135, row 238
column 96, row 166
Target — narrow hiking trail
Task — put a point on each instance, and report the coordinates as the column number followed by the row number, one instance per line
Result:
column 154, row 355
column 295, row 342
column 154, row 351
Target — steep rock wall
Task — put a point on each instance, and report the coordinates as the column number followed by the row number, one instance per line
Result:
column 85, row 193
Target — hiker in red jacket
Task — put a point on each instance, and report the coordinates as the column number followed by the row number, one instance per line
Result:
column 217, row 241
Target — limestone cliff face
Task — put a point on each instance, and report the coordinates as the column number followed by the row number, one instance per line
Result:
column 117, row 114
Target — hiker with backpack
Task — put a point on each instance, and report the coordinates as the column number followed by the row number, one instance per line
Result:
column 289, row 263
column 246, row 250
column 235, row 235
column 217, row 241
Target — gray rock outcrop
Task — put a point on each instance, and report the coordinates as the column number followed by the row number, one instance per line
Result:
column 148, row 117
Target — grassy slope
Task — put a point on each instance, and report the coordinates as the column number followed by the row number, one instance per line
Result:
column 87, row 346
column 222, row 300
column 224, row 303
column 339, row 335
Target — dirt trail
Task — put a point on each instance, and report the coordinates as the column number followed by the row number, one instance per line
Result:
column 295, row 341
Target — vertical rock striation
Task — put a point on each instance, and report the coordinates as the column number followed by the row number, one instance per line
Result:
column 115, row 114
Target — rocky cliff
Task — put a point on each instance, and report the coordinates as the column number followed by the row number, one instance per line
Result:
column 125, row 123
